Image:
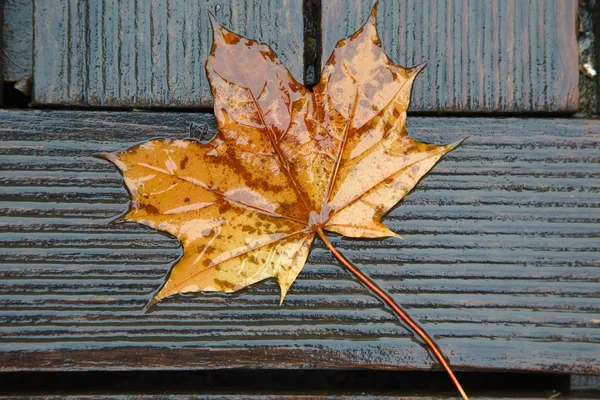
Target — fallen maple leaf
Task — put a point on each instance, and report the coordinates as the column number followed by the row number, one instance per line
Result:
column 287, row 164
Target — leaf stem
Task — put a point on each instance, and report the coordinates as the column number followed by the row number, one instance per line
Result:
column 397, row 310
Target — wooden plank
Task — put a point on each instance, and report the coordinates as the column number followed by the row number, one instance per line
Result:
column 1, row 53
column 139, row 53
column 18, row 39
column 235, row 396
column 500, row 261
column 483, row 56
column 585, row 382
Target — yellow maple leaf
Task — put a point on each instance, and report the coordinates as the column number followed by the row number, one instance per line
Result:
column 286, row 165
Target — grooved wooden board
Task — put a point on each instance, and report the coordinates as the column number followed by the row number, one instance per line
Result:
column 482, row 55
column 287, row 397
column 500, row 261
column 143, row 53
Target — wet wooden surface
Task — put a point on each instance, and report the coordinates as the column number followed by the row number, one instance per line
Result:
column 1, row 57
column 483, row 56
column 297, row 397
column 140, row 53
column 500, row 262
column 17, row 31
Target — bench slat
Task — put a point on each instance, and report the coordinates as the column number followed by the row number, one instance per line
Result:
column 139, row 53
column 500, row 261
column 482, row 55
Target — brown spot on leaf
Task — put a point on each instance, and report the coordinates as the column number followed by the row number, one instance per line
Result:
column 225, row 285
column 184, row 162
column 150, row 209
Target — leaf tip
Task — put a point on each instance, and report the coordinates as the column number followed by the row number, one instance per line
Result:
column 213, row 20
column 216, row 27
column 374, row 9
column 111, row 157
column 454, row 145
column 150, row 305
column 415, row 70
column 420, row 67
column 118, row 220
column 373, row 15
column 103, row 156
column 283, row 291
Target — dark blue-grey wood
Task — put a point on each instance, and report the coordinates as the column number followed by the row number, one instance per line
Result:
column 142, row 53
column 269, row 396
column 500, row 262
column 482, row 55
column 1, row 54
column 17, row 30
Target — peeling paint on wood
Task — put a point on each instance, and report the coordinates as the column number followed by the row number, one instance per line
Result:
column 483, row 56
column 500, row 261
column 139, row 53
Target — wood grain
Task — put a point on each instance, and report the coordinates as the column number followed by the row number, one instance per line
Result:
column 270, row 396
column 1, row 54
column 500, row 261
column 139, row 53
column 483, row 56
column 235, row 396
column 17, row 30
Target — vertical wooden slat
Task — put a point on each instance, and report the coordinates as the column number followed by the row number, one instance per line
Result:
column 127, row 64
column 17, row 38
column 522, row 65
column 569, row 60
column 50, row 48
column 510, row 52
column 483, row 55
column 1, row 54
column 94, row 93
column 143, row 47
column 77, row 71
column 160, row 62
column 148, row 53
column 176, row 56
column 110, row 23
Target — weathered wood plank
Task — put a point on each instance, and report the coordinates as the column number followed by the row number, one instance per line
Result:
column 483, row 56
column 500, row 262
column 17, row 49
column 1, row 54
column 270, row 396
column 139, row 53
column 301, row 395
